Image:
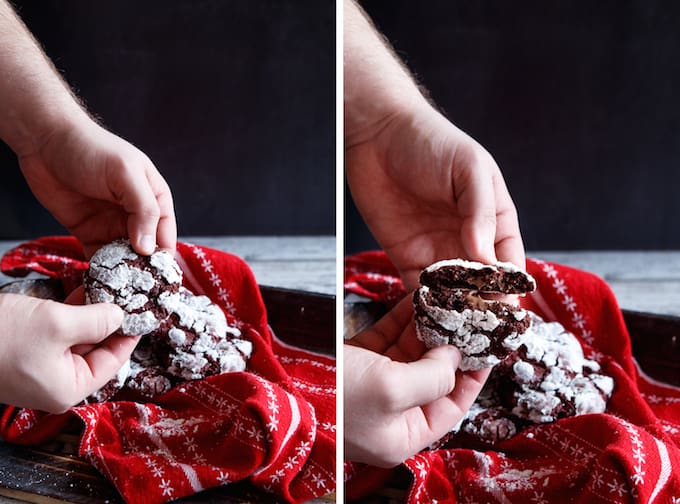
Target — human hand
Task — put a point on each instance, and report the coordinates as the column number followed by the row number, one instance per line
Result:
column 100, row 187
column 428, row 191
column 53, row 355
column 399, row 397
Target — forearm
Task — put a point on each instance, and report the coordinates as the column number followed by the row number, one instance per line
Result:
column 376, row 84
column 34, row 100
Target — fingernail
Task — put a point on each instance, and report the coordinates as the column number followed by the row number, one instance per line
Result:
column 147, row 243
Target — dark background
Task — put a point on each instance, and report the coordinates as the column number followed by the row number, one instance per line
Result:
column 234, row 101
column 578, row 102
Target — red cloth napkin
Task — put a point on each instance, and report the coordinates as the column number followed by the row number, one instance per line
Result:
column 274, row 424
column 631, row 453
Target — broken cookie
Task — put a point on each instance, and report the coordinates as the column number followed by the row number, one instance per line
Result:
column 450, row 309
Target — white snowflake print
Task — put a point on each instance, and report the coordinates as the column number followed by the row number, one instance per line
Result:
column 579, row 320
column 670, row 428
column 569, row 303
column 539, row 498
column 618, row 488
column 303, row 448
column 276, row 477
column 190, row 444
column 255, row 433
column 273, row 424
column 223, row 477
column 319, row 481
column 216, row 281
column 166, row 487
column 290, row 463
column 328, row 426
column 559, row 286
column 207, row 266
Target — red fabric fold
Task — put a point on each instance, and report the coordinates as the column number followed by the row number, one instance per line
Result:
column 273, row 424
column 631, row 453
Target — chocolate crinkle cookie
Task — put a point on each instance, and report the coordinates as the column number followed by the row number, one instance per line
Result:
column 450, row 309
column 545, row 378
column 185, row 336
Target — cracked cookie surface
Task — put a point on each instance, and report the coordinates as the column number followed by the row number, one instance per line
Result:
column 185, row 336
column 450, row 309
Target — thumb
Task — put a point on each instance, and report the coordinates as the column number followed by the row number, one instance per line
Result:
column 92, row 324
column 431, row 377
column 96, row 367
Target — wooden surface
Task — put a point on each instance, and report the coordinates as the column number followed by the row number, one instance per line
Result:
column 646, row 281
column 304, row 263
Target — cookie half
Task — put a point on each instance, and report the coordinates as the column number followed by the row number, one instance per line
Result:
column 450, row 310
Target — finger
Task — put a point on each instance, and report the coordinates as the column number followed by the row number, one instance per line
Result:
column 96, row 367
column 90, row 324
column 509, row 246
column 442, row 414
column 476, row 203
column 386, row 331
column 167, row 225
column 425, row 380
column 82, row 349
column 133, row 190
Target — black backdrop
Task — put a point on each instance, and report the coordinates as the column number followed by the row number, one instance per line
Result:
column 579, row 103
column 234, row 101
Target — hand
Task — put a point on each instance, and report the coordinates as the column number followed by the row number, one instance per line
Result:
column 427, row 191
column 399, row 397
column 53, row 355
column 100, row 187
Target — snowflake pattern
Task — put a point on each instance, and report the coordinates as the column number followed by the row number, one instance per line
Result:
column 638, row 477
column 166, row 487
column 223, row 477
column 578, row 319
column 285, row 359
column 670, row 428
column 223, row 294
column 25, row 420
column 313, row 389
column 655, row 399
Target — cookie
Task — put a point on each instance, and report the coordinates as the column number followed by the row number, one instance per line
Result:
column 501, row 277
column 119, row 275
column 185, row 336
column 112, row 387
column 545, row 378
column 450, row 310
column 147, row 381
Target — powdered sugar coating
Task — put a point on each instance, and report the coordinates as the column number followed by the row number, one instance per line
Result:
column 545, row 378
column 166, row 265
column 139, row 324
column 119, row 275
column 148, row 381
column 462, row 263
column 113, row 386
column 187, row 337
column 449, row 309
